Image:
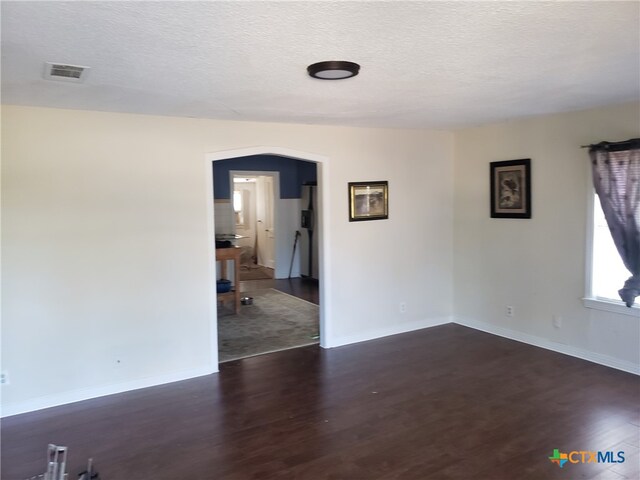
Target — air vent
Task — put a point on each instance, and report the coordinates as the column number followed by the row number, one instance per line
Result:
column 65, row 73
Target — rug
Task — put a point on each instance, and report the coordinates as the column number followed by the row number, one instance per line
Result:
column 275, row 321
column 255, row 272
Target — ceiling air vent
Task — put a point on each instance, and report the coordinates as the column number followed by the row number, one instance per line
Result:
column 65, row 73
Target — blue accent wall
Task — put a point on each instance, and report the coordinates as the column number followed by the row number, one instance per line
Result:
column 293, row 173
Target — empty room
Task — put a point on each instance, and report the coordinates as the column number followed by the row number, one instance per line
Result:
column 449, row 191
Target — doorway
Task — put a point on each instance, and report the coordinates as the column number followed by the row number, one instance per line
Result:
column 271, row 224
column 254, row 198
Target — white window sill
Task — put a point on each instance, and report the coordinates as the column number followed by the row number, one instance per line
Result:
column 614, row 306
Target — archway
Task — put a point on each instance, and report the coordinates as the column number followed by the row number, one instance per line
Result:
column 323, row 236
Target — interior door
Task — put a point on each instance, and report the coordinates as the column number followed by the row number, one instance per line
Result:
column 265, row 221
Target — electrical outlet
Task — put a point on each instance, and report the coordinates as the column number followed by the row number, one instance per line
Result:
column 4, row 378
column 403, row 307
column 509, row 311
column 557, row 321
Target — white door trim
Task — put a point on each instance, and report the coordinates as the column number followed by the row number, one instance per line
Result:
column 324, row 231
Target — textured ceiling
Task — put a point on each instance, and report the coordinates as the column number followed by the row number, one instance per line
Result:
column 424, row 64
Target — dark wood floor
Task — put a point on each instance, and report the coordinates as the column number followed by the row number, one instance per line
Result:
column 442, row 403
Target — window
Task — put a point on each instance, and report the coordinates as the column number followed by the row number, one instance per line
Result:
column 607, row 271
column 238, row 207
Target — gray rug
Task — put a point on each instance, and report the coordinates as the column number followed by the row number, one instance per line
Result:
column 275, row 321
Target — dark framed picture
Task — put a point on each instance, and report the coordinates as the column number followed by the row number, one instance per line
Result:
column 368, row 201
column 511, row 189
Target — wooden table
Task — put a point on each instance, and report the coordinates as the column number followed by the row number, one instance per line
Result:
column 222, row 255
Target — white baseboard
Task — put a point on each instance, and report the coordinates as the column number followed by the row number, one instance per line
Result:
column 598, row 358
column 385, row 332
column 88, row 393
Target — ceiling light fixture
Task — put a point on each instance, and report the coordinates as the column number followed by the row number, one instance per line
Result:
column 333, row 70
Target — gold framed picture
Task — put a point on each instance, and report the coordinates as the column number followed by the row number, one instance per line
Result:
column 368, row 201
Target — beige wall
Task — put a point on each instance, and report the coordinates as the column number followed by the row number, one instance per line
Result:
column 106, row 283
column 538, row 265
column 105, row 242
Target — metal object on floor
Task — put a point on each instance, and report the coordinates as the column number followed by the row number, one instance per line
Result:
column 57, row 464
column 89, row 473
column 246, row 300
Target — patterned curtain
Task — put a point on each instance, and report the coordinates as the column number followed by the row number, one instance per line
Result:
column 616, row 178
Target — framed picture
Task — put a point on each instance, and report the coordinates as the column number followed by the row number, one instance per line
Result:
column 368, row 201
column 511, row 189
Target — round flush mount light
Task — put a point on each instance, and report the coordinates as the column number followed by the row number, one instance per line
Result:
column 333, row 70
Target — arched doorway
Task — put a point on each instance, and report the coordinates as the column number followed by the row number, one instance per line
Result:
column 322, row 235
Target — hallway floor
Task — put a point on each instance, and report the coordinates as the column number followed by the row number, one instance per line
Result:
column 304, row 288
column 272, row 323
